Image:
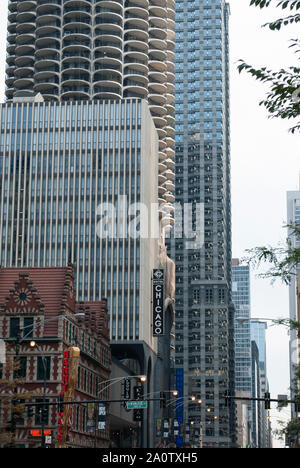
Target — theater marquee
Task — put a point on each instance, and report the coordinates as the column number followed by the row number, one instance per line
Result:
column 158, row 302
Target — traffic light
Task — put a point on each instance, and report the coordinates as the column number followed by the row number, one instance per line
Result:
column 163, row 400
column 30, row 412
column 45, row 415
column 267, row 401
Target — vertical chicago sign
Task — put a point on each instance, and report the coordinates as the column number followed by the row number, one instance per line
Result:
column 158, row 302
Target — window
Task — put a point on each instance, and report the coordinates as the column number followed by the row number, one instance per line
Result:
column 28, row 327
column 14, row 327
column 43, row 368
column 20, row 367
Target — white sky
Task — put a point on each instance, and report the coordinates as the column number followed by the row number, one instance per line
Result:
column 265, row 164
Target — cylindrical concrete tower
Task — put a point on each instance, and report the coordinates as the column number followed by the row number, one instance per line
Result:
column 98, row 49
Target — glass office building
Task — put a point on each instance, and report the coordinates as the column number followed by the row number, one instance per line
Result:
column 242, row 303
column 204, row 308
column 60, row 162
column 293, row 217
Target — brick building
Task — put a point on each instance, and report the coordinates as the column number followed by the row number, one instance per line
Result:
column 42, row 301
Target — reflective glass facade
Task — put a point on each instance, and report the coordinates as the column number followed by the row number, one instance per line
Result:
column 241, row 299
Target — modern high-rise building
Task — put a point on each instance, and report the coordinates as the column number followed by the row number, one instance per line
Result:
column 242, row 304
column 293, row 217
column 204, row 308
column 262, row 424
column 86, row 136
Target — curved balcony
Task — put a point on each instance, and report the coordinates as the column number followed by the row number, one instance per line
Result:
column 136, row 75
column 171, row 13
column 101, row 58
column 11, row 32
column 9, row 81
column 26, row 5
column 136, row 12
column 157, row 110
column 135, row 56
column 24, row 61
column 107, row 77
column 24, row 72
column 136, row 24
column 157, row 100
column 76, row 20
column 169, row 197
column 109, row 16
column 107, row 90
column 25, row 39
column 157, row 65
column 50, row 73
column 169, row 174
column 109, row 29
column 169, row 186
column 136, row 3
column 51, row 30
column 161, row 179
column 24, row 83
column 10, row 70
column 76, row 65
column 169, row 141
column 49, row 7
column 170, row 44
column 47, row 86
column 73, row 83
column 10, row 59
column 109, row 6
column 9, row 93
column 13, row 5
column 25, row 18
column 134, row 34
column 161, row 167
column 45, row 57
column 161, row 190
column 76, row 74
column 22, row 50
column 170, row 89
column 157, row 88
column 170, row 163
column 170, row 77
column 157, row 22
column 73, row 4
column 133, row 88
column 75, row 92
column 170, row 153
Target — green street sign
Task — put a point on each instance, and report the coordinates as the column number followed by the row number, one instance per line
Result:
column 137, row 404
column 248, row 446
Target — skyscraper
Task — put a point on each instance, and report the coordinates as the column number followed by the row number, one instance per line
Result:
column 96, row 49
column 293, row 217
column 242, row 304
column 204, row 309
column 262, row 425
column 87, row 136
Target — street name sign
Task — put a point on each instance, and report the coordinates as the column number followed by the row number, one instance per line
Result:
column 137, row 404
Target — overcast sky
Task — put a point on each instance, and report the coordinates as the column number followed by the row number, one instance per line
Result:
column 265, row 164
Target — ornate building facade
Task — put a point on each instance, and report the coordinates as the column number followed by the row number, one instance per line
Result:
column 40, row 305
